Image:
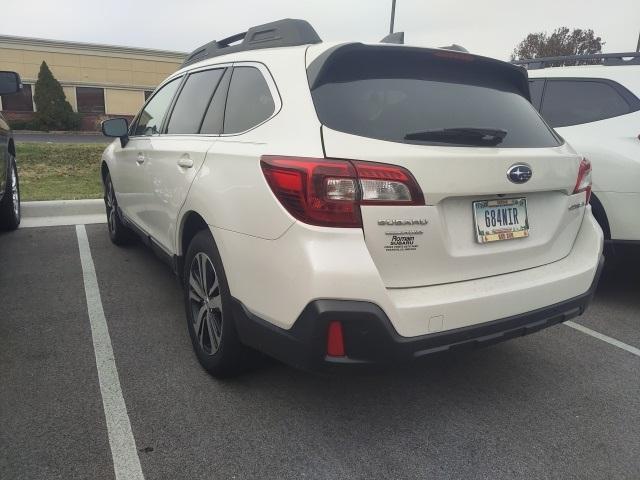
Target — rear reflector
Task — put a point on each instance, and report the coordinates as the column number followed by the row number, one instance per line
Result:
column 329, row 192
column 583, row 184
column 335, row 340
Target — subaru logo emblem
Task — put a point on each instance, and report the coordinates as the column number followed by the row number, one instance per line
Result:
column 519, row 173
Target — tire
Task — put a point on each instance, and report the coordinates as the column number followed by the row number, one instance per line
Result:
column 10, row 205
column 208, row 311
column 119, row 233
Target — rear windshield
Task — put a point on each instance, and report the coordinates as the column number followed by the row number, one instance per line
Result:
column 423, row 96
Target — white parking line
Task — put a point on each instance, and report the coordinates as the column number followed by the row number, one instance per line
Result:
column 604, row 338
column 123, row 446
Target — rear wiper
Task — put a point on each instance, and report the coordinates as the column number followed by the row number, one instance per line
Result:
column 460, row 136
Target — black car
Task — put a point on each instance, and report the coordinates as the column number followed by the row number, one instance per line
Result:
column 9, row 186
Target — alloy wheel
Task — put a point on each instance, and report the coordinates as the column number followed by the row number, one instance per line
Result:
column 206, row 303
column 111, row 207
column 15, row 193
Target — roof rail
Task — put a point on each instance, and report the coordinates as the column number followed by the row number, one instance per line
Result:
column 282, row 33
column 590, row 59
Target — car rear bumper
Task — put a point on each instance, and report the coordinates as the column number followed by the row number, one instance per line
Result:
column 277, row 279
column 370, row 338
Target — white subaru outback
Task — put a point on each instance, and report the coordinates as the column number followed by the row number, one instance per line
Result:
column 349, row 204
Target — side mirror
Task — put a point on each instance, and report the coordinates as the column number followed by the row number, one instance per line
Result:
column 117, row 128
column 9, row 83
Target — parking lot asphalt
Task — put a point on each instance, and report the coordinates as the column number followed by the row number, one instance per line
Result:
column 555, row 404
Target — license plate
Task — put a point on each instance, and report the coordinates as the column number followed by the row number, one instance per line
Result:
column 501, row 219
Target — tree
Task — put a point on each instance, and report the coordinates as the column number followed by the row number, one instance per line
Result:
column 53, row 112
column 560, row 43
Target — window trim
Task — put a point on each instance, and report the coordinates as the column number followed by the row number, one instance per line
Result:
column 631, row 100
column 134, row 123
column 266, row 74
column 273, row 89
column 224, row 83
column 165, row 123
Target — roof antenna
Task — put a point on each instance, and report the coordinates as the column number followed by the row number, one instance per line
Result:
column 393, row 16
column 397, row 37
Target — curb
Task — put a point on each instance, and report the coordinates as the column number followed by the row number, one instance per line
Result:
column 62, row 212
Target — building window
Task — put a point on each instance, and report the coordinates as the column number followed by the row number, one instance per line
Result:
column 90, row 100
column 19, row 102
column 147, row 94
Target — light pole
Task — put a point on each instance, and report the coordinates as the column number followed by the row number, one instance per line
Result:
column 393, row 15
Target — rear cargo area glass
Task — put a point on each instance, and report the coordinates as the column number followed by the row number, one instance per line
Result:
column 388, row 93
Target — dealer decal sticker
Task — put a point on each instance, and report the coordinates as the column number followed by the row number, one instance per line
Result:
column 402, row 241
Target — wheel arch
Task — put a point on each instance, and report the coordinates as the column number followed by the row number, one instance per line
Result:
column 192, row 222
column 12, row 147
column 599, row 213
column 104, row 170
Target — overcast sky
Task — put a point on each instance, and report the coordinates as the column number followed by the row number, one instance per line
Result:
column 487, row 27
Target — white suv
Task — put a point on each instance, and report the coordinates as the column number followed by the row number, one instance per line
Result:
column 348, row 204
column 596, row 108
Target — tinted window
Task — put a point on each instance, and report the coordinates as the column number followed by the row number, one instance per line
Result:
column 150, row 119
column 535, row 89
column 90, row 100
column 570, row 102
column 401, row 95
column 19, row 102
column 193, row 100
column 249, row 101
column 213, row 119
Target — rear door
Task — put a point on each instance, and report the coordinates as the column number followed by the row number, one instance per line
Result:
column 464, row 127
column 175, row 157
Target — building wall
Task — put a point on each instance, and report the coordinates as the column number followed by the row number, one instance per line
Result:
column 124, row 102
column 122, row 73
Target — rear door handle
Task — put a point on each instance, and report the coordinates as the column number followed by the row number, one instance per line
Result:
column 140, row 159
column 185, row 162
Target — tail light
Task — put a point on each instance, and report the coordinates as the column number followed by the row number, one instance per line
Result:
column 329, row 192
column 382, row 184
column 583, row 184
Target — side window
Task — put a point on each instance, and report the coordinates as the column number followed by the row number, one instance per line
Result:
column 213, row 119
column 535, row 89
column 571, row 102
column 249, row 101
column 150, row 119
column 193, row 101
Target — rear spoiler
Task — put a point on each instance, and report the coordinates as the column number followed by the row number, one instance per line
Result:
column 325, row 68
